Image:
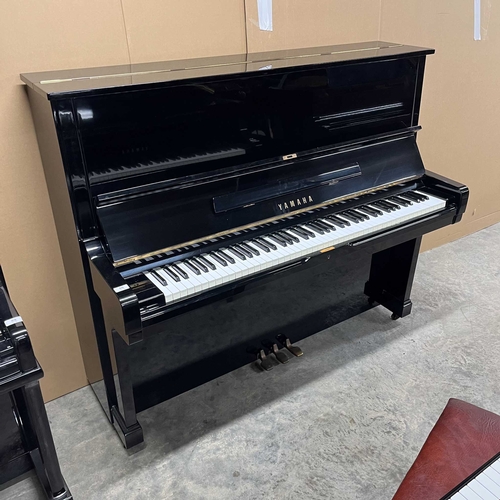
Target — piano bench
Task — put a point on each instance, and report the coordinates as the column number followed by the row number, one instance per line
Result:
column 464, row 438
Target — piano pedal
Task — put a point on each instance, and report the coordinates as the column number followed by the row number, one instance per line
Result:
column 265, row 361
column 273, row 347
column 285, row 341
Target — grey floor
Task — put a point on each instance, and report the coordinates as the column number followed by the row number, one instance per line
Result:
column 345, row 421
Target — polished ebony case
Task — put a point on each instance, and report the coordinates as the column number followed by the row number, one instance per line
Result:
column 150, row 163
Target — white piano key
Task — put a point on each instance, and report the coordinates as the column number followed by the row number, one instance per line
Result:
column 178, row 287
column 192, row 281
column 481, row 491
column 490, row 485
column 493, row 475
column 496, row 466
column 468, row 493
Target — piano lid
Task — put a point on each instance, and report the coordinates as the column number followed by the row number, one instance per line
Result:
column 58, row 84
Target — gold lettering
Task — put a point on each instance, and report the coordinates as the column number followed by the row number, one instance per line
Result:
column 298, row 203
column 286, row 206
column 292, row 203
column 304, row 200
column 280, row 206
column 310, row 199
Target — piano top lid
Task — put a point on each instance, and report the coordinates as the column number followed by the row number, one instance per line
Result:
column 90, row 81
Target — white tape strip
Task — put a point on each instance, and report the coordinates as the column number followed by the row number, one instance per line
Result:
column 13, row 321
column 265, row 9
column 477, row 19
column 121, row 288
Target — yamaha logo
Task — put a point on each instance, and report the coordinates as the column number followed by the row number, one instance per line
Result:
column 298, row 202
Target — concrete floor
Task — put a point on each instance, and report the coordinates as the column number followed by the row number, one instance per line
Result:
column 345, row 421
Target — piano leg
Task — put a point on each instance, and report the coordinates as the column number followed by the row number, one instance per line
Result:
column 125, row 418
column 391, row 277
column 42, row 448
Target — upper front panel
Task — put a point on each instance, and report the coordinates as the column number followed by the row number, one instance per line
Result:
column 142, row 137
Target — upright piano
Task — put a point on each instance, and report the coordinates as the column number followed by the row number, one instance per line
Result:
column 219, row 210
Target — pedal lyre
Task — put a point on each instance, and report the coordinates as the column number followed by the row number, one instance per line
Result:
column 280, row 355
column 285, row 341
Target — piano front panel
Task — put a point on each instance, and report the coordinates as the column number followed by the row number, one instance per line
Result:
column 208, row 341
column 231, row 121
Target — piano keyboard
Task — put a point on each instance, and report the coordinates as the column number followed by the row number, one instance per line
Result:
column 193, row 276
column 484, row 486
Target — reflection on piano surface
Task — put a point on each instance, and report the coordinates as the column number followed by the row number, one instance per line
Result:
column 225, row 205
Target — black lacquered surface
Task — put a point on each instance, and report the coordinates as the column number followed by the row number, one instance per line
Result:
column 216, row 338
column 140, row 225
column 57, row 84
column 184, row 135
column 166, row 155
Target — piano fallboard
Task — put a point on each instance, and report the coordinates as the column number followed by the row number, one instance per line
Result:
column 139, row 226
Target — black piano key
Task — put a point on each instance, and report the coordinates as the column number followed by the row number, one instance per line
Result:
column 219, row 259
column 180, row 271
column 243, row 250
column 191, row 266
column 227, row 257
column 278, row 240
column 308, row 232
column 202, row 266
column 335, row 221
column 250, row 248
column 413, row 196
column 171, row 274
column 160, row 278
column 286, row 238
column 400, row 201
column 357, row 212
column 367, row 211
column 261, row 246
column 238, row 254
column 352, row 218
column 392, row 205
column 310, row 225
column 382, row 204
column 321, row 225
column 205, row 261
column 338, row 220
column 328, row 224
column 358, row 215
column 421, row 197
column 297, row 231
column 291, row 236
column 381, row 207
column 371, row 210
column 270, row 244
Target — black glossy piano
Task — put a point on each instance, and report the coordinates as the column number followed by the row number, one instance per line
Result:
column 223, row 209
column 25, row 437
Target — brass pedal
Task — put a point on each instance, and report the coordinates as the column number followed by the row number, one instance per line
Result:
column 265, row 361
column 285, row 341
column 280, row 355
